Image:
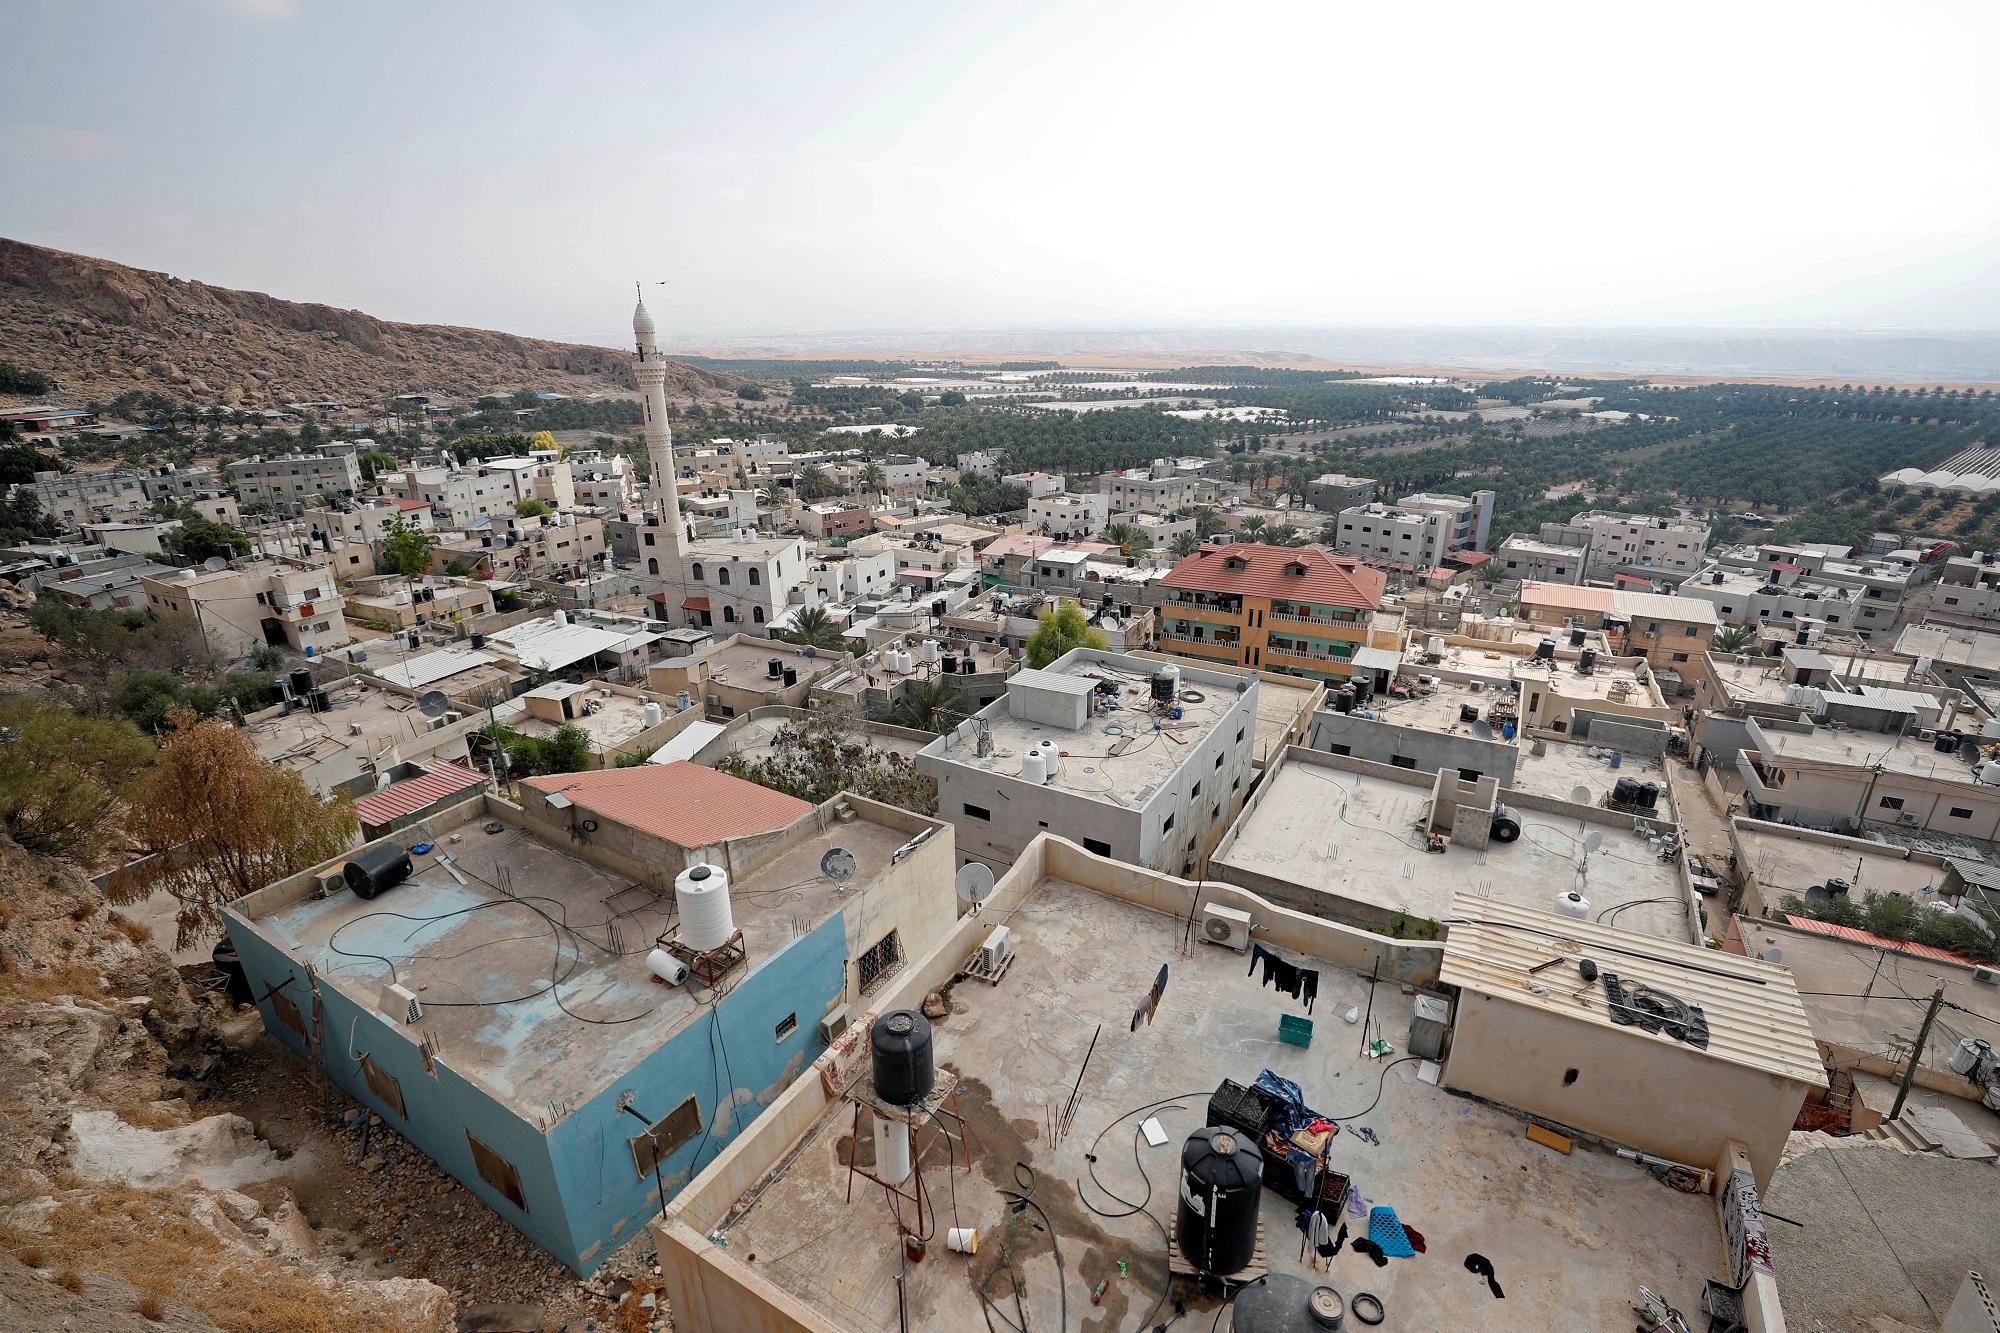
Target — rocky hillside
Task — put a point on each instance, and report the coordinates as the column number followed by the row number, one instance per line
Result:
column 121, row 1207
column 102, row 328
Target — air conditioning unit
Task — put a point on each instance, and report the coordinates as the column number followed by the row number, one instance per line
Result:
column 1226, row 926
column 1908, row 819
column 998, row 945
column 1986, row 976
column 399, row 1004
column 433, row 723
column 452, row 717
column 833, row 1025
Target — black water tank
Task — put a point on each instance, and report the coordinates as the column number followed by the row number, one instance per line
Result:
column 1576, row 638
column 1343, row 700
column 302, row 681
column 1287, row 1303
column 319, row 700
column 1625, row 791
column 1506, row 826
column 377, row 868
column 1364, row 688
column 1945, row 742
column 478, row 641
column 951, row 664
column 791, row 677
column 1586, row 659
column 969, row 666
column 1649, row 795
column 775, row 668
column 1222, row 1178
column 901, row 1043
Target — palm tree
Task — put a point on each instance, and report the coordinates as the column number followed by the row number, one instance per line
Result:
column 873, row 478
column 1281, row 534
column 1126, row 537
column 814, row 628
column 1253, row 525
column 920, row 705
column 1185, row 544
column 1736, row 639
column 814, row 483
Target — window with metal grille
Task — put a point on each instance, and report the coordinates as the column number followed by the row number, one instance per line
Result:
column 498, row 1172
column 384, row 1085
column 665, row 1138
column 879, row 961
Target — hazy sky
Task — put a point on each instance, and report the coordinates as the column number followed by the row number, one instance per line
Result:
column 820, row 166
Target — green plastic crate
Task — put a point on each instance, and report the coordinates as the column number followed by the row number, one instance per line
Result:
column 1294, row 1030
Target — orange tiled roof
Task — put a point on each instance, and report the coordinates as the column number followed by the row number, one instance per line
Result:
column 1257, row 570
column 682, row 802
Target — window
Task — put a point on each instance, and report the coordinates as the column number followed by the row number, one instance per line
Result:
column 1469, row 774
column 1340, row 749
column 1402, row 761
column 1218, row 761
column 498, row 1172
column 1960, row 812
column 1693, row 631
column 757, row 577
column 649, row 539
column 757, row 614
column 1196, row 792
column 660, row 1142
column 694, row 571
column 287, row 1012
column 1168, row 825
column 1239, row 735
column 880, row 960
column 1892, row 803
column 384, row 1085
column 978, row 811
column 729, row 615
column 1097, row 845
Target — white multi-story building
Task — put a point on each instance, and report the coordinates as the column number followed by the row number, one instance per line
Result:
column 1005, row 779
column 1469, row 517
column 75, row 498
column 602, row 481
column 1968, row 589
column 1158, row 489
column 1525, row 558
column 255, row 602
column 291, row 484
column 1066, row 515
column 1331, row 492
column 740, row 583
column 1036, row 484
column 1641, row 544
column 979, row 463
column 1391, row 534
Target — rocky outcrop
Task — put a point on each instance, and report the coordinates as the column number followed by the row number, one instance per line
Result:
column 102, row 328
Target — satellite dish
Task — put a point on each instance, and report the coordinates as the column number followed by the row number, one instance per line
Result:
column 1774, row 955
column 1579, row 795
column 433, row 704
column 974, row 883
column 1593, row 842
column 838, row 865
column 215, row 562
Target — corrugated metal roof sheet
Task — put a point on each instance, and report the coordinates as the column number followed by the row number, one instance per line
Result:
column 684, row 803
column 413, row 794
column 1874, row 941
column 421, row 670
column 1755, row 1017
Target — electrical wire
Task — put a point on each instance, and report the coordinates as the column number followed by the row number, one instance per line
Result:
column 1132, row 1206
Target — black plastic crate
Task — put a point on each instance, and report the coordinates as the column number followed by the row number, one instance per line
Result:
column 1241, row 1108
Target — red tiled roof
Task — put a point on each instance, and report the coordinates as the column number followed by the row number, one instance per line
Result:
column 1873, row 941
column 1469, row 559
column 1788, row 567
column 413, row 794
column 1332, row 580
column 695, row 604
column 402, row 503
column 682, row 802
column 1633, row 579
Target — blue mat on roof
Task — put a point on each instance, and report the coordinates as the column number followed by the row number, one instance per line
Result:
column 1388, row 1233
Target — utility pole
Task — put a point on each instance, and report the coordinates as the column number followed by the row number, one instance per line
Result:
column 1917, row 1051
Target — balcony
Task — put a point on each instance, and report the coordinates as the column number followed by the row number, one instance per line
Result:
column 1230, row 649
column 1299, row 652
column 1348, row 625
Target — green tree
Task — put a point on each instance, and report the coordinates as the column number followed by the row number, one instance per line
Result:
column 20, row 462
column 198, row 539
column 406, row 549
column 64, row 774
column 1060, row 630
column 1184, row 545
column 374, row 462
column 1735, row 639
column 751, row 392
column 814, row 628
column 531, row 508
column 1127, row 538
column 920, row 704
column 873, row 478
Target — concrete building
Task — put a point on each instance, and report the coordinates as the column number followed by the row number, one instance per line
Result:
column 980, row 463
column 390, row 601
column 48, row 420
column 255, row 602
column 1157, row 489
column 1152, row 797
column 572, row 1107
column 1279, row 608
column 1664, row 548
column 1543, row 562
column 1957, row 655
column 1331, row 492
column 1065, row 516
column 1669, row 632
column 580, row 644
column 603, row 481
column 828, row 520
column 1036, row 484
column 76, row 498
column 737, row 583
column 734, row 675
column 1968, row 591
column 1087, row 937
column 1410, row 540
column 1866, row 764
column 293, row 484
column 1468, row 518
column 1342, row 838
column 370, row 729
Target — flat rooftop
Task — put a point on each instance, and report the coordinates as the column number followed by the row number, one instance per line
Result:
column 747, row 665
column 753, row 737
column 1606, row 682
column 1335, row 831
column 1281, row 704
column 1439, row 709
column 1459, row 1171
column 531, row 1052
column 1866, row 749
column 300, row 738
column 1562, row 767
column 1786, row 864
column 1117, row 756
column 874, row 672
column 610, row 719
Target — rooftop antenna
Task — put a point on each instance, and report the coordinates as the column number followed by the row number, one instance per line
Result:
column 838, row 865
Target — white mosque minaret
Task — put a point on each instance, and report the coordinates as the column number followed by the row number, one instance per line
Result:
column 652, row 372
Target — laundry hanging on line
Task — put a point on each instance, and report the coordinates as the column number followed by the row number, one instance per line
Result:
column 1301, row 983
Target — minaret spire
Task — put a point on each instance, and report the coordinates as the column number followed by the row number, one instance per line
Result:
column 651, row 370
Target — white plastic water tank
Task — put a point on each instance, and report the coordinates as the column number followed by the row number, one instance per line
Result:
column 702, row 894
column 683, row 700
column 1434, row 645
column 1989, row 772
column 929, row 651
column 892, row 1150
column 654, row 714
column 666, row 967
column 561, row 617
column 1573, row 905
column 1051, row 758
column 1990, row 728
column 1034, row 769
